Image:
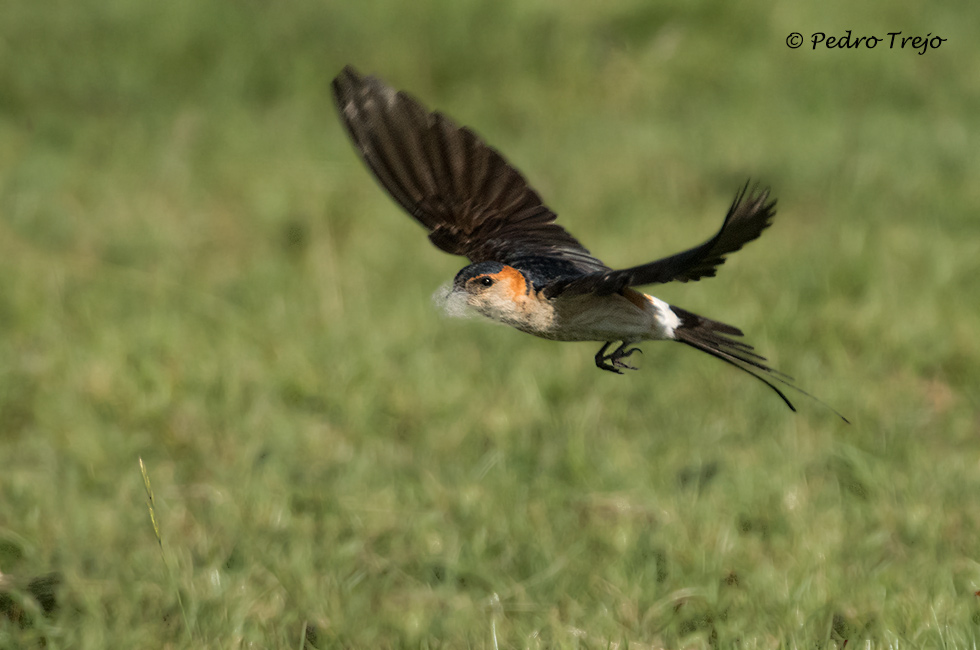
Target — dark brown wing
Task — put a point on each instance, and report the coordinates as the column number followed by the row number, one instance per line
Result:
column 745, row 221
column 472, row 201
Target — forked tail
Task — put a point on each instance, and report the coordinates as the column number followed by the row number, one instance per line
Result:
column 713, row 337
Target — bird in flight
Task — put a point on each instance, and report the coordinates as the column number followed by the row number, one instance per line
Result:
column 526, row 271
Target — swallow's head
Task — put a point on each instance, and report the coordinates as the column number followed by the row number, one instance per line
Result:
column 493, row 289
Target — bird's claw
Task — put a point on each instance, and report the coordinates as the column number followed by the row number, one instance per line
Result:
column 614, row 362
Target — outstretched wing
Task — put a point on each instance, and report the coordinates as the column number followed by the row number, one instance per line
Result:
column 745, row 221
column 472, row 201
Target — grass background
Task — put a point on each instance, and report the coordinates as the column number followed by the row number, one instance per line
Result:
column 195, row 269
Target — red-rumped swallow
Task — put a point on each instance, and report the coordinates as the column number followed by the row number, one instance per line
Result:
column 527, row 271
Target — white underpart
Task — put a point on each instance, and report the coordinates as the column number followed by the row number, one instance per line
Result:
column 631, row 318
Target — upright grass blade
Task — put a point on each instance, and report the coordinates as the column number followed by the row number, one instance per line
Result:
column 150, row 502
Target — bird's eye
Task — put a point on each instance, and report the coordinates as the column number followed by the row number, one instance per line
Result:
column 486, row 281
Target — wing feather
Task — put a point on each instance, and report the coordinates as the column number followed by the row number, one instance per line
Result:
column 745, row 221
column 472, row 201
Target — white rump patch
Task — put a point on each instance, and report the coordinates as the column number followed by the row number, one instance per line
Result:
column 666, row 317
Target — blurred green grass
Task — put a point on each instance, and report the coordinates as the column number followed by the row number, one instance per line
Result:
column 195, row 269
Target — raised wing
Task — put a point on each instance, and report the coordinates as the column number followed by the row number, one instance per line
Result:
column 472, row 201
column 745, row 221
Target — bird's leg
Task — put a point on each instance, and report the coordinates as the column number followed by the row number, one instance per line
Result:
column 600, row 359
column 613, row 362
